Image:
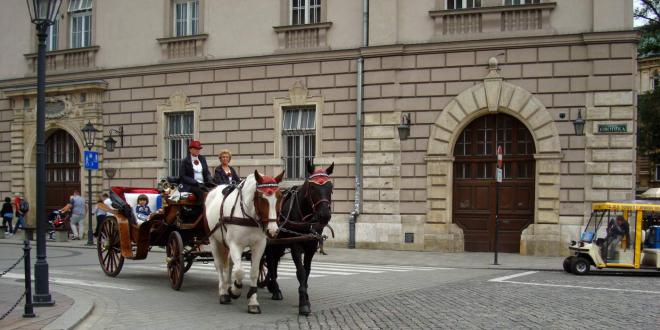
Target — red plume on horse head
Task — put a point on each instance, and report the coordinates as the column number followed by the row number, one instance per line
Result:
column 318, row 175
column 268, row 184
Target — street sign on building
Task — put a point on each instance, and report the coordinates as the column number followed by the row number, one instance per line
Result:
column 91, row 160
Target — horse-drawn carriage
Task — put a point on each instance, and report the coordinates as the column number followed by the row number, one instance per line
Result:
column 230, row 220
column 178, row 225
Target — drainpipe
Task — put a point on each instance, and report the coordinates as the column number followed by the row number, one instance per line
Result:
column 352, row 219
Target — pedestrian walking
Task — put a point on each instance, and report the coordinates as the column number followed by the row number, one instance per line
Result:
column 7, row 215
column 78, row 210
column 22, row 207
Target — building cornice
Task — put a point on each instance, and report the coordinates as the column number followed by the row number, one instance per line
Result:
column 59, row 87
column 630, row 36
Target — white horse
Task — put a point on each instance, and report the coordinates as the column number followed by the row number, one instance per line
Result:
column 253, row 205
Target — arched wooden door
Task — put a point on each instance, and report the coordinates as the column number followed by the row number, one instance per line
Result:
column 475, row 184
column 62, row 169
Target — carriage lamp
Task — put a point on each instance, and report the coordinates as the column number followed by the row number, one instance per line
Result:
column 578, row 124
column 89, row 134
column 404, row 127
column 42, row 15
column 111, row 142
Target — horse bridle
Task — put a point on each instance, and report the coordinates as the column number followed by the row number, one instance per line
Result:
column 265, row 188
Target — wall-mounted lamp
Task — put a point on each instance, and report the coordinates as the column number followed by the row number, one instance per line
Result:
column 110, row 142
column 578, row 124
column 404, row 127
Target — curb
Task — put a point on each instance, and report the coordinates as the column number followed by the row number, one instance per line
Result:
column 81, row 308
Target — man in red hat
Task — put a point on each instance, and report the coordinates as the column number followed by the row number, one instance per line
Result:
column 193, row 171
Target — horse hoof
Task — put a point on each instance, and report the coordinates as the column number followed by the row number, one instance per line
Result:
column 254, row 309
column 224, row 299
column 277, row 295
column 304, row 310
column 234, row 296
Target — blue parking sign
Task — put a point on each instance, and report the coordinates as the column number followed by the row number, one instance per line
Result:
column 91, row 160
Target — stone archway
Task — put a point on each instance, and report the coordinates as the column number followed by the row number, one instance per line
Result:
column 493, row 96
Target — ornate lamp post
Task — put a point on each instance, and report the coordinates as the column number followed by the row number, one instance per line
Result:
column 42, row 15
column 89, row 134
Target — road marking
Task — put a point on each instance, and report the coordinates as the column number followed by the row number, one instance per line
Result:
column 57, row 280
column 508, row 277
column 505, row 279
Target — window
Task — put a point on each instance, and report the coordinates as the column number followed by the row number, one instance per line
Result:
column 299, row 138
column 305, row 12
column 80, row 12
column 520, row 2
column 462, row 4
column 655, row 80
column 178, row 134
column 186, row 18
column 657, row 172
column 53, row 33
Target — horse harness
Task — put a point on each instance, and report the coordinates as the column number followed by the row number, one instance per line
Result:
column 316, row 178
column 248, row 221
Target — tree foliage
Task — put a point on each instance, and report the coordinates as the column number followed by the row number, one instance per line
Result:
column 649, row 11
column 648, row 108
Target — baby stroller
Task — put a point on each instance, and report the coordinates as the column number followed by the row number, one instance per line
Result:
column 56, row 220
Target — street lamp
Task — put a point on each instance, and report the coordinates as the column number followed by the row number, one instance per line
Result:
column 110, row 142
column 89, row 134
column 42, row 15
column 578, row 124
column 404, row 127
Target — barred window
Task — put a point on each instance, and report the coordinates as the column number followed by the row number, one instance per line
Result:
column 179, row 133
column 657, row 172
column 462, row 4
column 186, row 18
column 299, row 138
column 80, row 32
column 305, row 12
column 62, row 158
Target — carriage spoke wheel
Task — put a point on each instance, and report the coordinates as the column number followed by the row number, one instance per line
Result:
column 175, row 260
column 109, row 249
column 262, row 281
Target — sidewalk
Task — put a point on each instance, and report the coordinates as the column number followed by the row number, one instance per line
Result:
column 10, row 292
column 469, row 260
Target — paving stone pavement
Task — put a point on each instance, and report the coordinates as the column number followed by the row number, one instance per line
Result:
column 479, row 304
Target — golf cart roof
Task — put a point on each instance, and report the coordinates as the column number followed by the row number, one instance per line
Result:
column 633, row 205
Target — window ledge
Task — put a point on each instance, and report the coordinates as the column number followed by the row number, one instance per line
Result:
column 494, row 9
column 69, row 59
column 303, row 36
column 485, row 22
column 184, row 46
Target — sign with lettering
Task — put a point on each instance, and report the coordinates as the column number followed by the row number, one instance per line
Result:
column 91, row 160
column 612, row 128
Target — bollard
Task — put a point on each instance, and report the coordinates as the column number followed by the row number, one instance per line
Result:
column 29, row 310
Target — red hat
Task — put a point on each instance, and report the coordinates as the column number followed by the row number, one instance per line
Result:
column 195, row 144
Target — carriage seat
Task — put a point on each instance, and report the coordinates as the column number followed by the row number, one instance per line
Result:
column 129, row 198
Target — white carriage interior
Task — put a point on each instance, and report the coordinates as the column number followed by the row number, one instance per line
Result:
column 155, row 203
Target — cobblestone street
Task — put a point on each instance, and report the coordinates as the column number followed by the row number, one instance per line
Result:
column 349, row 295
column 479, row 304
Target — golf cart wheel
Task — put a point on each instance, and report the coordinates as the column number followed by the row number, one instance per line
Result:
column 580, row 266
column 567, row 264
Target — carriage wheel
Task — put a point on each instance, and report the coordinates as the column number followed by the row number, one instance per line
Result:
column 175, row 260
column 109, row 249
column 262, row 281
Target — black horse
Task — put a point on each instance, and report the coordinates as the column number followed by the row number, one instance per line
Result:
column 305, row 212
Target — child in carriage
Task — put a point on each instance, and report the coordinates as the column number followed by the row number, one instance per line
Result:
column 142, row 210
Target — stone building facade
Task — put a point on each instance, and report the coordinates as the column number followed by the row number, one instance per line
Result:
column 532, row 66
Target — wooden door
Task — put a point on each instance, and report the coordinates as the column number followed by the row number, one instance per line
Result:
column 475, row 189
column 62, row 169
